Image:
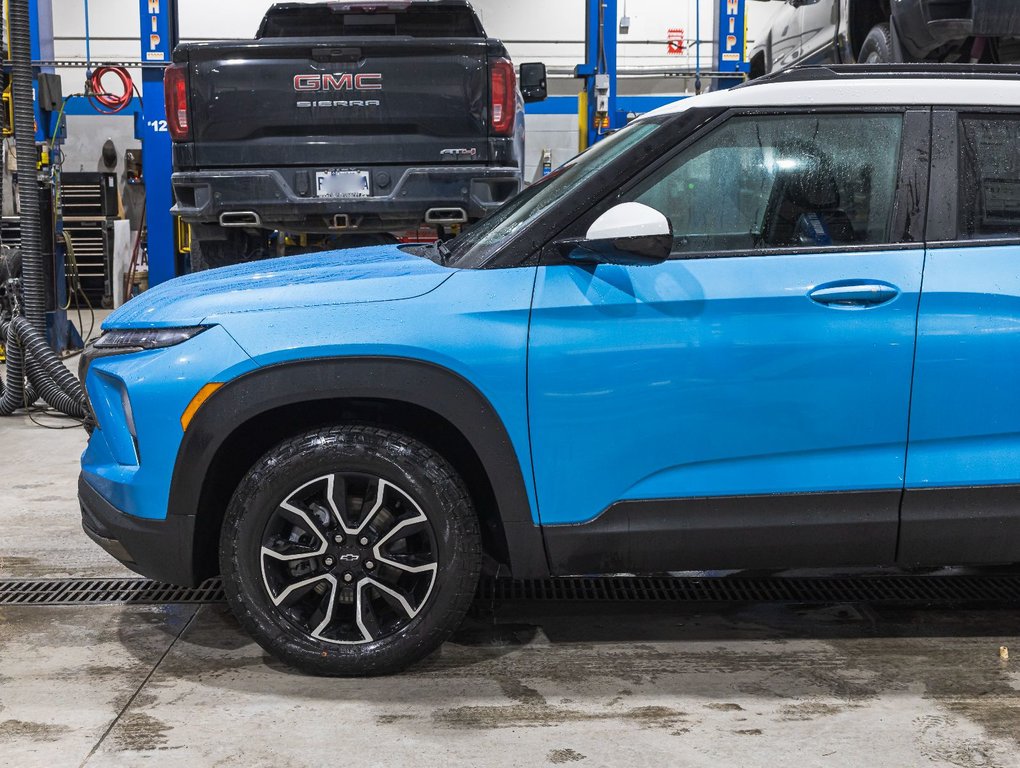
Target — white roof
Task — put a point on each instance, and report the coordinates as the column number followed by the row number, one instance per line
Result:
column 854, row 91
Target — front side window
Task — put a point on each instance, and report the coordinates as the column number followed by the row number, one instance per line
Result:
column 478, row 243
column 767, row 182
column 989, row 196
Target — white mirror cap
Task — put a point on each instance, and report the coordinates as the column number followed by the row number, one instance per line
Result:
column 629, row 220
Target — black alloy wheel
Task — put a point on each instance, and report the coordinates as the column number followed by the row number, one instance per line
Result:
column 351, row 550
column 349, row 558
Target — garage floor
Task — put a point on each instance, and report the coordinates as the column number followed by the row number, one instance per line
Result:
column 654, row 684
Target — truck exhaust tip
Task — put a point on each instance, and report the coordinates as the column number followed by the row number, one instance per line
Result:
column 444, row 216
column 240, row 219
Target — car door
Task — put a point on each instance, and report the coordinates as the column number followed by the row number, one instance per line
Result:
column 785, row 36
column 819, row 20
column 962, row 503
column 743, row 404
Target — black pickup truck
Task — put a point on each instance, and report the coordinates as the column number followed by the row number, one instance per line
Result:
column 888, row 32
column 353, row 119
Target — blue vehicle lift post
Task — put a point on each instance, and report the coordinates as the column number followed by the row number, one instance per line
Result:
column 599, row 72
column 158, row 34
column 731, row 44
column 599, row 68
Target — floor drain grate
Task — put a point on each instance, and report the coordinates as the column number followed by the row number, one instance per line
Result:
column 730, row 589
column 830, row 589
column 106, row 591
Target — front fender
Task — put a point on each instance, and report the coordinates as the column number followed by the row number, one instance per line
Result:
column 398, row 380
column 763, row 49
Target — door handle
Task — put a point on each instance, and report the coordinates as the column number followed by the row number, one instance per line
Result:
column 336, row 55
column 859, row 295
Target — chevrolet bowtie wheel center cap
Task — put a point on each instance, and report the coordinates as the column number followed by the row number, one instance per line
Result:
column 349, row 558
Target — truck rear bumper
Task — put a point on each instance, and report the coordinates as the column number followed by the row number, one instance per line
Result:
column 286, row 196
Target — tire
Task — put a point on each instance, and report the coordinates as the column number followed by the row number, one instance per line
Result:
column 337, row 626
column 10, row 264
column 212, row 254
column 877, row 47
column 757, row 67
column 235, row 247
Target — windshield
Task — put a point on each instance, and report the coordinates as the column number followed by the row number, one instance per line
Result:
column 475, row 246
column 344, row 21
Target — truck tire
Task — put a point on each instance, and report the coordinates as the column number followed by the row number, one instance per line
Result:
column 10, row 264
column 350, row 550
column 210, row 254
column 235, row 247
column 758, row 67
column 877, row 47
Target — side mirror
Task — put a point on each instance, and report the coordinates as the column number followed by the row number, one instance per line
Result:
column 533, row 83
column 630, row 234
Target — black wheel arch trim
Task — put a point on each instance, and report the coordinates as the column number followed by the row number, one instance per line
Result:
column 406, row 381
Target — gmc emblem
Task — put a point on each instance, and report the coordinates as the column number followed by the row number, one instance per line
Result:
column 346, row 81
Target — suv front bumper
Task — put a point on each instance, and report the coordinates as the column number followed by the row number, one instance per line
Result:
column 158, row 549
column 286, row 196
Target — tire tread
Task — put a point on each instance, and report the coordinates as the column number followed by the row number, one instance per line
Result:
column 339, row 660
column 879, row 39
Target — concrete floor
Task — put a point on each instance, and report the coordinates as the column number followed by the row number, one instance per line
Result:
column 661, row 684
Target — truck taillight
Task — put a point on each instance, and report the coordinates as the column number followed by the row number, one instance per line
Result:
column 503, row 97
column 175, row 85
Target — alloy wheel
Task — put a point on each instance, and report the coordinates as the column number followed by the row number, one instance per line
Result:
column 349, row 558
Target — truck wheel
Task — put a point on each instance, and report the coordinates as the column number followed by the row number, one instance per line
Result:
column 757, row 67
column 877, row 47
column 350, row 550
column 235, row 247
column 210, row 254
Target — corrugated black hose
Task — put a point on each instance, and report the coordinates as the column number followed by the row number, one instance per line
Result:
column 28, row 355
column 46, row 372
column 13, row 396
column 28, row 159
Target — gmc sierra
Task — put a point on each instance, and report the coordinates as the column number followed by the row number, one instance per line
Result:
column 345, row 118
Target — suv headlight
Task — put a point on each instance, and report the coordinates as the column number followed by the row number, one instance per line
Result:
column 146, row 338
column 122, row 341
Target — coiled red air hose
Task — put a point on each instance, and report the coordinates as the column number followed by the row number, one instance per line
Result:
column 102, row 100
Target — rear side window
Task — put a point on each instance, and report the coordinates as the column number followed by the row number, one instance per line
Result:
column 325, row 21
column 769, row 182
column 989, row 199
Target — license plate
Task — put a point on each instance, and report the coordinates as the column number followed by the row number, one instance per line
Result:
column 341, row 184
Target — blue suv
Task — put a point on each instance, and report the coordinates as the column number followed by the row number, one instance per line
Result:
column 766, row 328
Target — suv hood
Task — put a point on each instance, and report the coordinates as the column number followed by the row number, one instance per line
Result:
column 358, row 275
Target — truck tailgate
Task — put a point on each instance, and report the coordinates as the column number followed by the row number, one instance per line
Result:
column 354, row 102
